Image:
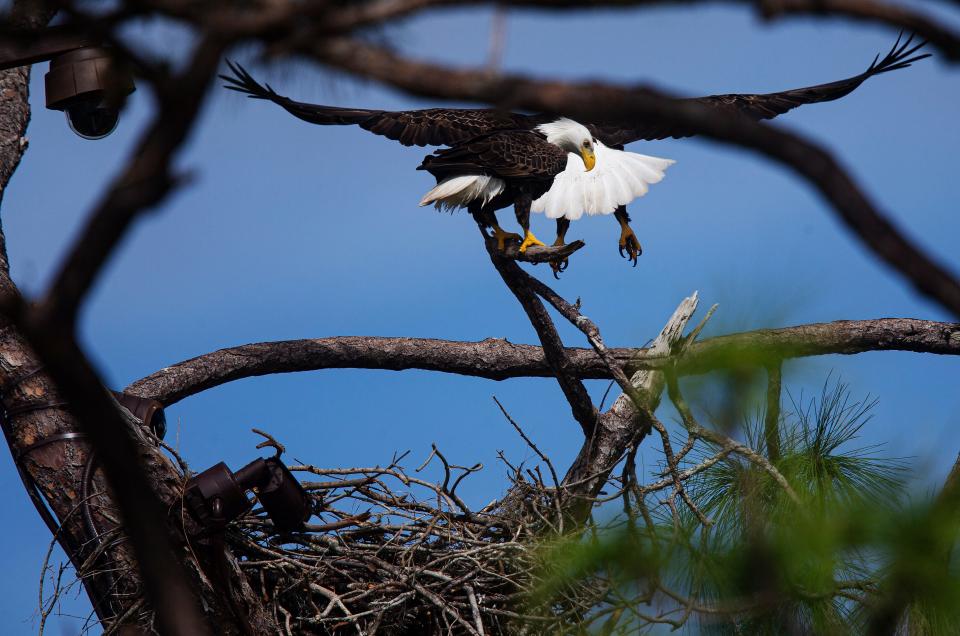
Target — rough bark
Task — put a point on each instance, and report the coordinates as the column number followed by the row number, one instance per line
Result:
column 14, row 116
column 58, row 470
column 498, row 359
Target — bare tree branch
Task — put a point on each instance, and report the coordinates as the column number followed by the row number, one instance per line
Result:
column 165, row 580
column 497, row 359
column 871, row 11
column 315, row 19
column 554, row 352
column 893, row 15
column 624, row 424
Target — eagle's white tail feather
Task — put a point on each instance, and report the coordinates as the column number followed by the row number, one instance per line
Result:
column 458, row 192
column 618, row 178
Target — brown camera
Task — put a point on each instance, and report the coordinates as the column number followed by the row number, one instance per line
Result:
column 90, row 87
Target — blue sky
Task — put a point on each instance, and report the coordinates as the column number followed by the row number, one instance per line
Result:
column 295, row 231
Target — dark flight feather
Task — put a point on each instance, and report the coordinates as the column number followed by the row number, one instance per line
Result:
column 769, row 105
column 427, row 127
column 452, row 126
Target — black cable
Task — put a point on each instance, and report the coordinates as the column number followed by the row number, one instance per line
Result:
column 33, row 491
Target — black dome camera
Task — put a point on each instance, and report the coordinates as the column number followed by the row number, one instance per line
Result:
column 90, row 87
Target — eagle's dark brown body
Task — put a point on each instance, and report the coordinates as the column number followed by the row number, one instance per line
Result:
column 508, row 154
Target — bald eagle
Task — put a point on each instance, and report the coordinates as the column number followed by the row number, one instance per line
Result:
column 545, row 162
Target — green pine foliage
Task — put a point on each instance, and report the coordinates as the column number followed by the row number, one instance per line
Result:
column 850, row 551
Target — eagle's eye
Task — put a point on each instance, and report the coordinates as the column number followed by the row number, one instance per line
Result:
column 586, row 143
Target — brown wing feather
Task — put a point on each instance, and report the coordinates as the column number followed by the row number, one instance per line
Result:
column 442, row 126
column 429, row 127
column 513, row 154
column 451, row 126
column 765, row 106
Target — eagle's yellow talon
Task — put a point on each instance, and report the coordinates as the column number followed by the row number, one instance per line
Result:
column 529, row 240
column 502, row 237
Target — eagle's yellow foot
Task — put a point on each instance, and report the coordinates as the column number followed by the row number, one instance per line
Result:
column 502, row 237
column 558, row 267
column 529, row 240
column 629, row 244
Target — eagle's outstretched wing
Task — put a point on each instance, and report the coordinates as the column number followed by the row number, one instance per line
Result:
column 769, row 105
column 450, row 126
column 428, row 127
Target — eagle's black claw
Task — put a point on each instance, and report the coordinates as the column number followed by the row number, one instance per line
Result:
column 629, row 246
column 559, row 267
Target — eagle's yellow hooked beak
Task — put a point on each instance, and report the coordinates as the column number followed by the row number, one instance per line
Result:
column 589, row 159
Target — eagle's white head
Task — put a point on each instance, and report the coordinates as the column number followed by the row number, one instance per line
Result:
column 572, row 137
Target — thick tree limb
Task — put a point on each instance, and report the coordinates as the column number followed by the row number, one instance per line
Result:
column 15, row 108
column 604, row 102
column 893, row 15
column 497, row 359
column 165, row 579
column 277, row 20
column 14, row 116
column 896, row 16
column 278, row 17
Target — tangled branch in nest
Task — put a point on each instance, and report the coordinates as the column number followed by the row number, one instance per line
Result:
column 398, row 554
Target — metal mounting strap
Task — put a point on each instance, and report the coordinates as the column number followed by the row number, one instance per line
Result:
column 34, row 406
column 59, row 437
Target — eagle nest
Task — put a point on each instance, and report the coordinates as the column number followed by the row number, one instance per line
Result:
column 402, row 555
column 393, row 555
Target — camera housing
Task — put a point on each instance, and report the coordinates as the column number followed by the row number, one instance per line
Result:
column 217, row 496
column 90, row 87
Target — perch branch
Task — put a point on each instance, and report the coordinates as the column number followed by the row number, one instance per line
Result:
column 541, row 253
column 554, row 352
